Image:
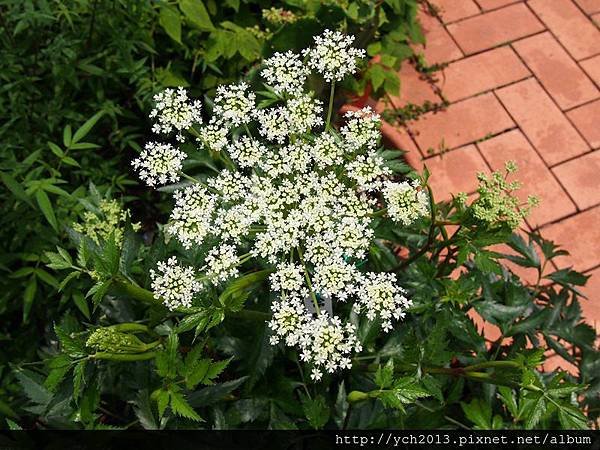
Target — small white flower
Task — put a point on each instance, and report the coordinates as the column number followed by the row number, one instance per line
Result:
column 174, row 284
column 285, row 72
column 335, row 277
column 221, row 263
column 327, row 151
column 174, row 111
column 304, row 114
column 214, row 136
column 231, row 186
column 405, row 201
column 288, row 277
column 234, row 105
column 362, row 129
column 159, row 163
column 246, row 151
column 367, row 171
column 326, row 344
column 190, row 220
column 380, row 297
column 333, row 55
column 274, row 124
column 289, row 315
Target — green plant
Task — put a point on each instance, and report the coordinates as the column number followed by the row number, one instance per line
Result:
column 64, row 63
column 431, row 370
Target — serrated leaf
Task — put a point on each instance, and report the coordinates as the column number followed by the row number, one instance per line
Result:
column 182, row 408
column 384, row 376
column 33, row 389
column 59, row 367
column 507, row 396
column 316, row 411
column 479, row 412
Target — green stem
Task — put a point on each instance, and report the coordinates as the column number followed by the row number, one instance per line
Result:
column 137, row 292
column 379, row 213
column 123, row 357
column 493, row 364
column 308, row 283
column 131, row 327
column 330, row 109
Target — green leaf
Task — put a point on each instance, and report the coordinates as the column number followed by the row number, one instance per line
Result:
column 196, row 13
column 479, row 412
column 377, row 76
column 59, row 367
column 507, row 395
column 170, row 20
column 67, row 136
column 79, row 378
column 162, row 401
column 46, row 206
column 215, row 370
column 56, row 149
column 571, row 418
column 70, row 345
column 384, row 377
column 15, row 187
column 32, row 387
column 81, row 303
column 86, row 127
column 532, row 410
column 182, row 408
column 196, row 372
column 316, row 411
column 29, row 297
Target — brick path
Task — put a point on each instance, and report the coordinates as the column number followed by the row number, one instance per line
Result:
column 522, row 79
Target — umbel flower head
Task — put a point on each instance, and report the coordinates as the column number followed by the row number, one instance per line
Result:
column 295, row 196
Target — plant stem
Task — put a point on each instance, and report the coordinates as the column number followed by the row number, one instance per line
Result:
column 124, row 357
column 309, row 284
column 330, row 109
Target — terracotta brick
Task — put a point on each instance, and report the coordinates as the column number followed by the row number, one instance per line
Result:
column 439, row 47
column 596, row 19
column 587, row 120
column 461, row 123
column 413, row 88
column 482, row 72
column 535, row 177
column 455, row 172
column 451, row 10
column 580, row 178
column 589, row 6
column 572, row 28
column 542, row 122
column 493, row 4
column 591, row 306
column 592, row 68
column 494, row 28
column 559, row 74
column 580, row 235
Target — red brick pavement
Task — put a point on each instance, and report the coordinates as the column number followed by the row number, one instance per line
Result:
column 523, row 81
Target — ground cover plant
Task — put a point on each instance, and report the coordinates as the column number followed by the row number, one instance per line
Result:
column 305, row 278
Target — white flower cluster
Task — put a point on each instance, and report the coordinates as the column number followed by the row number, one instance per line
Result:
column 174, row 284
column 174, row 111
column 285, row 72
column 159, row 163
column 405, row 201
column 300, row 199
column 333, row 55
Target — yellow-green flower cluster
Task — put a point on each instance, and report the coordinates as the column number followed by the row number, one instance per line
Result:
column 109, row 219
column 113, row 341
column 497, row 203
